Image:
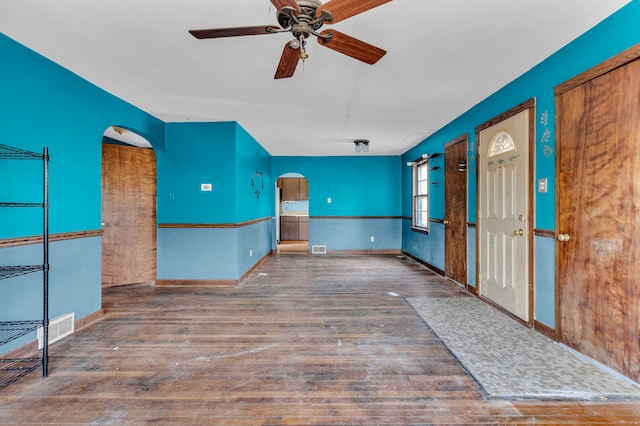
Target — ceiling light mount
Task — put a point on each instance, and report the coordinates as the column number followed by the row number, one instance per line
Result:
column 362, row 145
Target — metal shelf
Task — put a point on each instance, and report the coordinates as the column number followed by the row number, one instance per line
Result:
column 21, row 205
column 12, row 370
column 11, row 330
column 13, row 153
column 14, row 271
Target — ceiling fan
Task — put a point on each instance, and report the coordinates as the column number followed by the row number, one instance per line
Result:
column 303, row 18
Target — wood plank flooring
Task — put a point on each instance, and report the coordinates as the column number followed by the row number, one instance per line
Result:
column 303, row 340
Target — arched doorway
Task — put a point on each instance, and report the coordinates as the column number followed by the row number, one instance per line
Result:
column 128, row 208
column 292, row 213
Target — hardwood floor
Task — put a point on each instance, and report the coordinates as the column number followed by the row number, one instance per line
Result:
column 303, row 340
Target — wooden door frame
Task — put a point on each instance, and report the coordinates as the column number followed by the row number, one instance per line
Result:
column 154, row 242
column 529, row 105
column 278, row 201
column 460, row 139
column 619, row 60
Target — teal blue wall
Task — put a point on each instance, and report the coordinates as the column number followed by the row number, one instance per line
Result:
column 197, row 153
column 357, row 186
column 255, row 197
column 239, row 168
column 43, row 104
column 365, row 201
column 612, row 36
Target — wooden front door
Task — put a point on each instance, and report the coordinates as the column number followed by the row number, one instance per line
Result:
column 128, row 215
column 455, row 201
column 503, row 169
column 598, row 212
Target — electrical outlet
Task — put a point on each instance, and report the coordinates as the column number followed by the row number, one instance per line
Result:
column 373, row 238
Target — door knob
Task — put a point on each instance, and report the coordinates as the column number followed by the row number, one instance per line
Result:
column 563, row 237
column 518, row 232
column 446, row 223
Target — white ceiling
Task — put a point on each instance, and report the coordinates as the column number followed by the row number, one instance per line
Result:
column 444, row 56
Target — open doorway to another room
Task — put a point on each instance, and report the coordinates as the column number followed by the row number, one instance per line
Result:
column 292, row 214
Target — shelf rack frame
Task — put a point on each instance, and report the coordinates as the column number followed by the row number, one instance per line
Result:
column 12, row 370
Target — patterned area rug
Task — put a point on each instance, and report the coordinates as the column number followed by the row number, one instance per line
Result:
column 509, row 360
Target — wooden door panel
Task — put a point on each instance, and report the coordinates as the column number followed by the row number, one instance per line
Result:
column 455, row 193
column 128, row 215
column 598, row 202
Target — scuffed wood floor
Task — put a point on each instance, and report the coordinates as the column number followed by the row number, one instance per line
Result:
column 303, row 340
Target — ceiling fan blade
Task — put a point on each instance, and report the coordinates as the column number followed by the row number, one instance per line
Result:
column 353, row 47
column 279, row 4
column 288, row 62
column 233, row 31
column 343, row 9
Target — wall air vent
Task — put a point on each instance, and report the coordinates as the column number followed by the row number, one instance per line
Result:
column 59, row 328
column 318, row 249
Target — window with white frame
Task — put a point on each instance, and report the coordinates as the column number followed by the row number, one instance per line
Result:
column 420, row 219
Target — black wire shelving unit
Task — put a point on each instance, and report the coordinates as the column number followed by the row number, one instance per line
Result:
column 13, row 369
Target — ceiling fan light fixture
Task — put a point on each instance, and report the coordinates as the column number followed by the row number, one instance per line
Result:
column 304, row 18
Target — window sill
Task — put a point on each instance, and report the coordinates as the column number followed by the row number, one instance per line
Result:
column 421, row 230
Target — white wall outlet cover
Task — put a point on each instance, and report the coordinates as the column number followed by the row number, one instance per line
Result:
column 206, row 187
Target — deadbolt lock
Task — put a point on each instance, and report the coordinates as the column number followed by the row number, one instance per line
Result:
column 563, row 237
column 521, row 218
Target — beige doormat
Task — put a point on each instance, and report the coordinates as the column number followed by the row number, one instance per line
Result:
column 510, row 360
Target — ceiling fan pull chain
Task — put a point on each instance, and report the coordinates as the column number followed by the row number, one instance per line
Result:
column 303, row 53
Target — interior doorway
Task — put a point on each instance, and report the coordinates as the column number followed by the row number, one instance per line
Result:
column 504, row 211
column 128, row 213
column 455, row 201
column 292, row 213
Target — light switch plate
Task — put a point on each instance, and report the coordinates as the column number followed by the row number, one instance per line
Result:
column 542, row 185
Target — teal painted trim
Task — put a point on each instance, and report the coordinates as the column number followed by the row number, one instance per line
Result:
column 75, row 283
